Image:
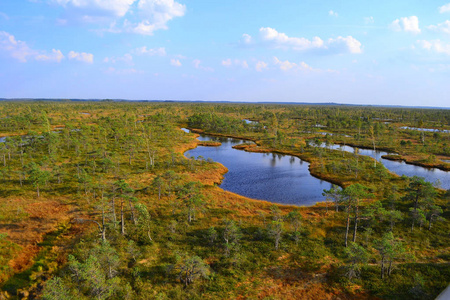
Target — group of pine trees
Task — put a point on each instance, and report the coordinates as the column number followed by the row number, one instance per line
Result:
column 151, row 228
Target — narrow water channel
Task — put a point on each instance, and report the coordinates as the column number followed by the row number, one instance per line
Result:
column 425, row 129
column 401, row 168
column 276, row 178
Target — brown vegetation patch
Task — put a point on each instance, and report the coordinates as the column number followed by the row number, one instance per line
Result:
column 423, row 162
column 43, row 218
column 243, row 206
column 210, row 176
column 293, row 283
column 209, row 143
column 251, row 148
column 196, row 130
column 393, row 157
column 243, row 146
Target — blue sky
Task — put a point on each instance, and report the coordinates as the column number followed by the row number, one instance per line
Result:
column 360, row 52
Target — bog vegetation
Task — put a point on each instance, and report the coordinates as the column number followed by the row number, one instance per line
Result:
column 97, row 201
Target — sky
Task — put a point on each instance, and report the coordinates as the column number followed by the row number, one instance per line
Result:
column 354, row 52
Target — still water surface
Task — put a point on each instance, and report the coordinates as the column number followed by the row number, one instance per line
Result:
column 273, row 177
column 401, row 168
column 425, row 129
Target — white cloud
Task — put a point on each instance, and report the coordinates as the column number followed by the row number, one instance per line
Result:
column 56, row 56
column 175, row 62
column 83, row 57
column 343, row 44
column 436, row 45
column 369, row 20
column 241, row 63
column 444, row 8
column 246, row 39
column 137, row 16
column 20, row 50
column 3, row 15
column 227, row 62
column 407, row 24
column 260, row 65
column 155, row 15
column 279, row 39
column 197, row 64
column 17, row 49
column 287, row 65
column 116, row 8
column 126, row 58
column 112, row 70
column 152, row 52
column 333, row 13
column 442, row 27
column 236, row 62
column 340, row 44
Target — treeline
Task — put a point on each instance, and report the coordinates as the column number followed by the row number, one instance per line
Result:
column 221, row 124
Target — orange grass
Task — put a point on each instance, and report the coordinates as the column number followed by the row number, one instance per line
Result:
column 43, row 218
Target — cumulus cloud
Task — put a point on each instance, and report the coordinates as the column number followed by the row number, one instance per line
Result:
column 345, row 44
column 55, row 56
column 279, row 39
column 236, row 62
column 271, row 37
column 435, row 45
column 444, row 8
column 155, row 14
column 442, row 27
column 287, row 65
column 198, row 65
column 407, row 24
column 333, row 13
column 152, row 52
column 227, row 62
column 137, row 16
column 175, row 62
column 83, row 57
column 17, row 49
column 246, row 39
column 260, row 65
column 22, row 52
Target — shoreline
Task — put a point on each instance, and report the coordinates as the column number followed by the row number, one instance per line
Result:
column 266, row 202
column 312, row 163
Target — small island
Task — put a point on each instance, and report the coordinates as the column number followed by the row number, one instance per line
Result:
column 209, row 143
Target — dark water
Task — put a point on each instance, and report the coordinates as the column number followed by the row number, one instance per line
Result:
column 276, row 178
column 401, row 168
